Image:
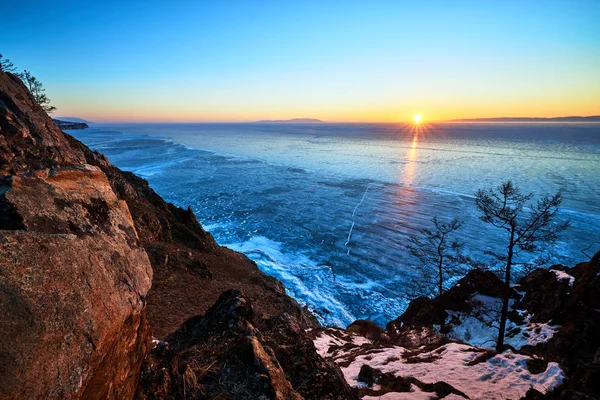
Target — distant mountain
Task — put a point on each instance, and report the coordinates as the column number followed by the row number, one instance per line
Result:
column 73, row 119
column 592, row 118
column 290, row 121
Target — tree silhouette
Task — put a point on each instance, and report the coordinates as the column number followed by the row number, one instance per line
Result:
column 37, row 90
column 505, row 208
column 7, row 66
column 439, row 255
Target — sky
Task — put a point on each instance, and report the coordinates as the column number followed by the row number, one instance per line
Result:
column 376, row 61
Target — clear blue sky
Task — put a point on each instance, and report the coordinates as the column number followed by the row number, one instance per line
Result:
column 338, row 61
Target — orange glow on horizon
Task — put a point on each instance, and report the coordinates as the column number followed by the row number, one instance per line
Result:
column 151, row 109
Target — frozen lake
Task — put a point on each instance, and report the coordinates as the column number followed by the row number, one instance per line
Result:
column 327, row 208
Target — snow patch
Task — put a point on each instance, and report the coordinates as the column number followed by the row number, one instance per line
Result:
column 563, row 276
column 504, row 375
column 415, row 394
column 337, row 337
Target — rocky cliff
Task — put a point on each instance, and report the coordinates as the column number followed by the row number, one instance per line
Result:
column 230, row 352
column 73, row 274
column 94, row 264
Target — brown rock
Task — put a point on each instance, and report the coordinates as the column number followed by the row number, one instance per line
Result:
column 225, row 353
column 29, row 139
column 73, row 277
column 311, row 375
column 73, row 319
column 367, row 329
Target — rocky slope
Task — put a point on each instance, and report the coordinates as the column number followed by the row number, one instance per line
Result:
column 73, row 275
column 81, row 242
column 232, row 353
column 443, row 347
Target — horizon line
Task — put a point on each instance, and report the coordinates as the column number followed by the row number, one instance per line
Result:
column 291, row 122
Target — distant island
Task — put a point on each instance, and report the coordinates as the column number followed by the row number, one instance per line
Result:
column 592, row 118
column 62, row 124
column 290, row 121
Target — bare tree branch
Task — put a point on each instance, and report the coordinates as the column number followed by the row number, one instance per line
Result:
column 439, row 255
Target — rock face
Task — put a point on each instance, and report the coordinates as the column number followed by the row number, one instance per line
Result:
column 30, row 140
column 232, row 353
column 73, row 275
column 573, row 305
column 389, row 382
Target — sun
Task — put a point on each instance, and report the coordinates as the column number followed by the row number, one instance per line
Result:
column 418, row 118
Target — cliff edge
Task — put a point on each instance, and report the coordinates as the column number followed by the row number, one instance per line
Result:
column 73, row 274
column 94, row 265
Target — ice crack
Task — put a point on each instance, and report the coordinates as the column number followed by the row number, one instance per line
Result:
column 353, row 222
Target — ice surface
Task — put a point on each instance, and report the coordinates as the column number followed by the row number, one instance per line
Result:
column 290, row 197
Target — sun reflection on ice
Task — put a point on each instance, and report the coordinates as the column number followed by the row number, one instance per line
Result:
column 417, row 131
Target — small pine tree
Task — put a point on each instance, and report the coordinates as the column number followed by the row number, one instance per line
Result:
column 37, row 90
column 505, row 208
column 6, row 65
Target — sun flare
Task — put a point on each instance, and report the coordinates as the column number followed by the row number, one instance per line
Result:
column 418, row 118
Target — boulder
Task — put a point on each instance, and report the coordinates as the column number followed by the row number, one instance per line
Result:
column 576, row 345
column 225, row 353
column 545, row 295
column 367, row 329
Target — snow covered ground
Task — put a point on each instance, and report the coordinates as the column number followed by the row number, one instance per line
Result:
column 477, row 372
column 415, row 393
column 480, row 327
